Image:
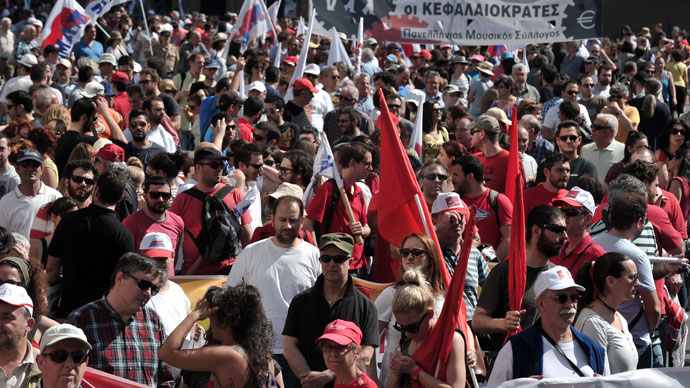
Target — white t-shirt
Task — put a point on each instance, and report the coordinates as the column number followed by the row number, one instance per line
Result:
column 554, row 365
column 530, row 166
column 552, row 119
column 279, row 274
column 619, row 345
column 159, row 136
column 322, row 104
column 17, row 211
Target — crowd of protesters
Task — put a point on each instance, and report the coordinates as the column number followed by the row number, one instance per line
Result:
column 132, row 159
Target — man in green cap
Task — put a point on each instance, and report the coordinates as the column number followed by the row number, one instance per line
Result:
column 332, row 297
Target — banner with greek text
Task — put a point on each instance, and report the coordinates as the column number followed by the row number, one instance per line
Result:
column 64, row 26
column 463, row 22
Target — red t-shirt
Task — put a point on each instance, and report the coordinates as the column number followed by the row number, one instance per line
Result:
column 539, row 195
column 140, row 225
column 339, row 222
column 384, row 269
column 121, row 106
column 246, row 130
column 581, row 254
column 267, row 230
column 189, row 209
column 495, row 169
column 487, row 221
column 363, row 381
column 672, row 208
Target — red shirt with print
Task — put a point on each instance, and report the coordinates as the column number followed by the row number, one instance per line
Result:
column 488, row 222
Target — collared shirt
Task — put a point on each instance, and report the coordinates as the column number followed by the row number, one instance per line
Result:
column 125, row 349
column 22, row 47
column 529, row 92
column 6, row 44
column 541, row 149
column 170, row 53
column 366, row 105
column 477, row 271
column 20, row 375
column 604, row 158
column 587, row 250
column 437, row 98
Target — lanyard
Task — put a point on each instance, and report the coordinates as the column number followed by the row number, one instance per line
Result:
column 555, row 345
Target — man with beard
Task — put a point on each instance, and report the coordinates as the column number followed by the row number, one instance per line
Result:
column 155, row 109
column 17, row 356
column 432, row 178
column 604, row 76
column 545, row 235
column 155, row 217
column 568, row 141
column 348, row 122
column 139, row 145
column 280, row 267
column 125, row 334
column 551, row 347
column 557, row 170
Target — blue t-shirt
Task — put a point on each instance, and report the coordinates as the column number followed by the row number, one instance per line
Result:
column 208, row 109
column 82, row 49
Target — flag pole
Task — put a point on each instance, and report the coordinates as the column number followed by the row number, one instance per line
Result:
column 421, row 214
column 146, row 24
column 348, row 209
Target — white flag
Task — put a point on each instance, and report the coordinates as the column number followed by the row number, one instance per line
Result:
column 324, row 165
column 337, row 52
column 302, row 63
column 358, row 47
column 249, row 198
column 252, row 22
column 416, row 137
column 301, row 28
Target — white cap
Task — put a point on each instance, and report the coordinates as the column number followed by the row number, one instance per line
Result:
column 556, row 279
column 313, row 68
column 257, row 85
column 157, row 245
column 34, row 21
column 93, row 89
column 28, row 60
column 286, row 188
column 579, row 198
column 446, row 202
column 136, row 67
column 16, row 296
column 107, row 58
column 414, row 96
column 62, row 332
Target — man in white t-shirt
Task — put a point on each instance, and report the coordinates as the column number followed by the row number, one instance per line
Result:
column 552, row 119
column 551, row 347
column 155, row 110
column 280, row 266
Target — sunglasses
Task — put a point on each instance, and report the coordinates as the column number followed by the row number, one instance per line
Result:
column 616, row 96
column 417, row 253
column 597, row 127
column 393, row 106
column 269, row 163
column 271, row 111
column 258, row 137
column 554, row 228
column 144, row 285
column 60, row 356
column 80, row 179
column 144, row 81
column 568, row 137
column 676, row 131
column 572, row 212
column 338, row 349
column 562, row 298
column 135, row 124
column 587, row 85
column 339, row 259
column 256, row 165
column 160, row 194
column 572, row 92
column 30, row 164
column 437, row 110
column 432, row 177
column 213, row 165
column 412, row 328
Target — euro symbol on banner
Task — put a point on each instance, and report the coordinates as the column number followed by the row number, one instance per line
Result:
column 586, row 19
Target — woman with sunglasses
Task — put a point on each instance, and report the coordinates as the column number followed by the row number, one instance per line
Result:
column 675, row 137
column 506, row 101
column 413, row 307
column 418, row 251
column 435, row 134
column 609, row 280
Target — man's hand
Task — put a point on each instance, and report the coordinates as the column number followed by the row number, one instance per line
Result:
column 512, row 320
column 316, row 379
column 674, row 283
column 19, row 250
column 612, row 106
column 240, row 64
column 101, row 105
column 218, row 128
column 356, row 228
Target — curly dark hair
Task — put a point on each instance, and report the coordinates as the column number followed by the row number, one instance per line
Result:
column 240, row 309
column 169, row 163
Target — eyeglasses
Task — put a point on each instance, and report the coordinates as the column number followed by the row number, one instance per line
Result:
column 431, row 177
column 338, row 349
column 134, row 124
column 171, row 91
column 676, row 131
column 335, row 77
column 572, row 212
column 144, row 81
column 256, row 165
column 394, row 106
column 473, row 131
column 366, row 164
column 416, row 252
column 572, row 92
column 587, row 85
column 144, row 284
column 597, row 127
column 616, row 96
column 344, row 121
column 271, row 111
column 568, row 137
column 80, row 179
column 554, row 228
column 213, row 165
column 60, row 356
column 160, row 194
column 562, row 298
column 230, row 126
column 339, row 259
column 193, row 106
column 269, row 162
column 258, row 137
column 413, row 328
column 285, row 170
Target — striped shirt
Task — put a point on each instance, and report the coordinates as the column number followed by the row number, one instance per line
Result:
column 477, row 271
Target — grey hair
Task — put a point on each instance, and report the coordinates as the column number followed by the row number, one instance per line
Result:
column 620, row 88
column 5, row 19
column 29, row 27
column 367, row 54
column 611, row 121
column 328, row 70
column 355, row 95
column 44, row 98
column 430, row 74
column 532, row 123
column 626, row 184
column 518, row 66
column 360, row 75
column 133, row 262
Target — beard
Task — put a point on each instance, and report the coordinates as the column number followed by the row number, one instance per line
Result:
column 10, row 340
column 78, row 194
column 548, row 248
column 286, row 236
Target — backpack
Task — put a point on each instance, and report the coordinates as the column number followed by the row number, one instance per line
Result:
column 219, row 238
column 322, row 227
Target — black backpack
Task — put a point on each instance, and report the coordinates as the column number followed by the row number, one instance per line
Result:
column 219, row 238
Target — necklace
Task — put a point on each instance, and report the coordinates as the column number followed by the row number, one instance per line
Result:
column 607, row 306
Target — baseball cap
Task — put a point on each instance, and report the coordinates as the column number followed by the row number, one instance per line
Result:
column 556, row 278
column 211, row 63
column 342, row 241
column 93, row 89
column 485, row 68
column 98, row 144
column 478, row 58
column 167, row 84
column 486, row 123
column 64, row 62
column 29, row 154
column 342, row 332
column 423, row 53
column 28, row 60
column 506, row 54
column 371, row 42
column 207, row 153
column 111, row 153
column 119, row 76
column 62, row 332
column 304, row 84
column 450, row 89
column 446, row 202
column 108, row 58
column 286, row 188
column 579, row 198
column 156, row 244
column 257, row 85
column 107, row 89
column 16, row 296
column 499, row 114
column 313, row 69
column 392, row 58
column 291, row 60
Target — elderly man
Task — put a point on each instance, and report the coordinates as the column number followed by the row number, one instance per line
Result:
column 537, row 147
column 348, row 97
column 18, row 367
column 551, row 347
column 628, row 116
column 528, row 162
column 333, row 296
column 522, row 88
column 605, row 150
column 124, row 333
column 64, row 355
column 7, row 39
column 432, row 84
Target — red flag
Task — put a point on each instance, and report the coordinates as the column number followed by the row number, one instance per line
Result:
column 513, row 159
column 517, row 255
column 402, row 211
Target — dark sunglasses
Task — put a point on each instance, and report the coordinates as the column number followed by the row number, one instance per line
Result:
column 675, row 131
column 144, row 285
column 431, row 177
column 394, row 106
column 597, row 127
column 60, row 356
column 437, row 110
column 554, row 228
column 144, row 81
column 135, row 124
column 256, row 165
column 616, row 96
column 562, row 298
column 572, row 212
column 258, row 137
column 271, row 111
column 160, row 194
column 80, row 179
column 351, row 99
column 213, row 165
column 339, row 259
column 572, row 92
column 269, row 162
column 568, row 137
column 30, row 164
column 412, row 328
column 417, row 253
column 587, row 85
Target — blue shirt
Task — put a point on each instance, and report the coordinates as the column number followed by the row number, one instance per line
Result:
column 82, row 49
column 208, row 109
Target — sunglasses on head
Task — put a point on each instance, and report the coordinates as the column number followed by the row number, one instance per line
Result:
column 144, row 284
column 417, row 253
column 554, row 228
column 339, row 259
column 60, row 356
column 80, row 179
column 562, row 298
column 568, row 137
column 431, row 177
column 412, row 328
column 160, row 194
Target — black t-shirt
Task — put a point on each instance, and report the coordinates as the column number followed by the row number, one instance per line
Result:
column 309, row 313
column 170, row 105
column 66, row 144
column 143, row 154
column 295, row 114
column 578, row 167
column 89, row 242
column 594, row 106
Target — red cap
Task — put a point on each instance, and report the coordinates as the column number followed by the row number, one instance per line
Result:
column 342, row 332
column 119, row 76
column 111, row 153
column 304, row 84
column 291, row 60
column 424, row 53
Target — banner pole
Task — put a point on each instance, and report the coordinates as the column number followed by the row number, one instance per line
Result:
column 146, row 24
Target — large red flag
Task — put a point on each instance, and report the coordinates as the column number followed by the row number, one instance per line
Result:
column 513, row 159
column 402, row 210
column 517, row 254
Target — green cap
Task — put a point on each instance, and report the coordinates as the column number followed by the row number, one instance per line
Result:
column 342, row 241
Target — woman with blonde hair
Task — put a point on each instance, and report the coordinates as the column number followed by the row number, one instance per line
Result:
column 56, row 111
